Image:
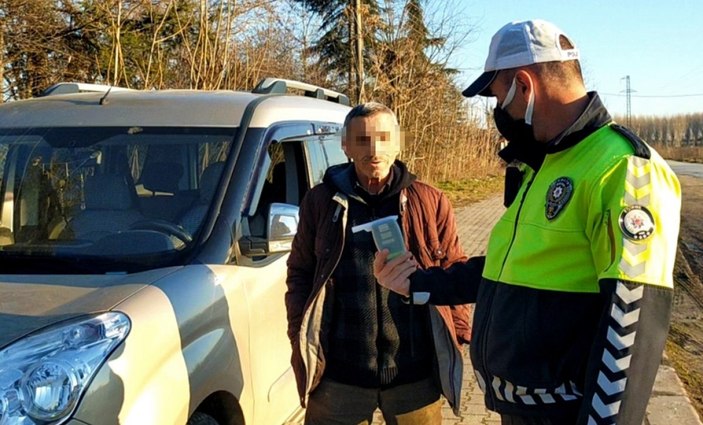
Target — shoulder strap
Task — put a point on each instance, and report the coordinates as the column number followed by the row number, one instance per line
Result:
column 641, row 148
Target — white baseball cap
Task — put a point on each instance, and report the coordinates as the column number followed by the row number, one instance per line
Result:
column 521, row 43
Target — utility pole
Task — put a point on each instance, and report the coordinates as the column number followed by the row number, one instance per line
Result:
column 351, row 24
column 628, row 91
column 360, row 74
column 2, row 56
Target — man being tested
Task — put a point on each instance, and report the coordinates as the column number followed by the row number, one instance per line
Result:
column 357, row 346
column 573, row 303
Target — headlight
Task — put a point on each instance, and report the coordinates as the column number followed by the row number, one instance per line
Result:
column 43, row 375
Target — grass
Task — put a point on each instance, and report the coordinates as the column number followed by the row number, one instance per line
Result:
column 683, row 153
column 468, row 191
column 680, row 359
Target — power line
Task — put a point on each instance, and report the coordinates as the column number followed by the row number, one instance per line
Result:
column 653, row 95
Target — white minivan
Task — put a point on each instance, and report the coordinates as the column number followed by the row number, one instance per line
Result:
column 143, row 246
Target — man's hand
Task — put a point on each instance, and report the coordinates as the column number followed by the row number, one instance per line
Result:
column 394, row 274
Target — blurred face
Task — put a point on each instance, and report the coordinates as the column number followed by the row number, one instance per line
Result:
column 372, row 143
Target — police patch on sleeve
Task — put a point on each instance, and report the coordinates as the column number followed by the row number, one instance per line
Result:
column 636, row 222
column 558, row 196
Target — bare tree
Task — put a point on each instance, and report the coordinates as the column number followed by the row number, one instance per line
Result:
column 397, row 53
column 37, row 46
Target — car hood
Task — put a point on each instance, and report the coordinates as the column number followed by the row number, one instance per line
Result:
column 31, row 302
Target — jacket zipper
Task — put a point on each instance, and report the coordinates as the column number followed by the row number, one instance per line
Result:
column 455, row 353
column 327, row 278
column 488, row 382
column 611, row 237
column 517, row 218
column 339, row 209
column 403, row 200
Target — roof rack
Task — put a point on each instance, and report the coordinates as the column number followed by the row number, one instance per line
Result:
column 67, row 88
column 281, row 86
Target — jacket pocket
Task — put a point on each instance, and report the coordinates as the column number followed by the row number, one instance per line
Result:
column 539, row 339
column 323, row 248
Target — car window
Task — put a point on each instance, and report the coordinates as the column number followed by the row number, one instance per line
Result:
column 107, row 192
column 332, row 146
column 322, row 152
column 317, row 159
column 290, row 168
column 286, row 176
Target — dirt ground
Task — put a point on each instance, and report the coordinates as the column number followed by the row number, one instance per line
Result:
column 685, row 344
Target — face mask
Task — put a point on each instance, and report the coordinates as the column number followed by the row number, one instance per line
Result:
column 513, row 129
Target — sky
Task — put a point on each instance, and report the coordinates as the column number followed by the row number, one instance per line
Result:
column 657, row 43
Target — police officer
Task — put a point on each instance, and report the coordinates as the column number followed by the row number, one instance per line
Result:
column 573, row 302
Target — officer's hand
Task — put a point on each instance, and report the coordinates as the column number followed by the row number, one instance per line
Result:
column 394, row 274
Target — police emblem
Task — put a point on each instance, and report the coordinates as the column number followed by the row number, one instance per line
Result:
column 636, row 222
column 558, row 196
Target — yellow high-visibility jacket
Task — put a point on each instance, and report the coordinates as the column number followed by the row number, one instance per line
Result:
column 573, row 306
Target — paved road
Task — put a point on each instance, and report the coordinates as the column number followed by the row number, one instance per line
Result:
column 668, row 405
column 687, row 169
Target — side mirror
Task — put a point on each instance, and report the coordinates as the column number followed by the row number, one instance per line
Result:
column 281, row 226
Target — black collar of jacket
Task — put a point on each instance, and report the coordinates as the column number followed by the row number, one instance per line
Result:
column 343, row 178
column 591, row 119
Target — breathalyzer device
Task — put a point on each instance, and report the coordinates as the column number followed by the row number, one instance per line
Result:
column 386, row 234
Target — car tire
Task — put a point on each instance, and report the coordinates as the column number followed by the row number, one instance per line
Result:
column 200, row 418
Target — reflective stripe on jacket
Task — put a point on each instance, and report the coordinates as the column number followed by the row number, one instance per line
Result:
column 593, row 213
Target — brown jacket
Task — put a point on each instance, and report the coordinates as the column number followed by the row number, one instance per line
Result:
column 430, row 234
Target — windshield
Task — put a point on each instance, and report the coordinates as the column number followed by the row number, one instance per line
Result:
column 106, row 194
